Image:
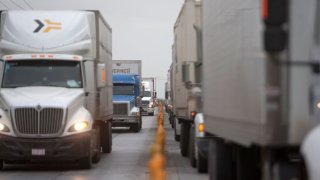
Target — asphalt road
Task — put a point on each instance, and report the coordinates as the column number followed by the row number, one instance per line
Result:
column 128, row 160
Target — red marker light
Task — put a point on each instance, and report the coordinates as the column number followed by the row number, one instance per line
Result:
column 264, row 9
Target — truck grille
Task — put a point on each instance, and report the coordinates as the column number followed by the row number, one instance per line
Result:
column 47, row 121
column 145, row 103
column 120, row 109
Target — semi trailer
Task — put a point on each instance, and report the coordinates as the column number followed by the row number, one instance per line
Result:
column 56, row 86
column 185, row 57
column 261, row 82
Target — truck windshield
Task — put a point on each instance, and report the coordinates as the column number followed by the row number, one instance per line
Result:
column 55, row 73
column 147, row 94
column 123, row 90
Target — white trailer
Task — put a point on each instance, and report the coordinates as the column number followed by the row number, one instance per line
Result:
column 185, row 57
column 261, row 86
column 56, row 86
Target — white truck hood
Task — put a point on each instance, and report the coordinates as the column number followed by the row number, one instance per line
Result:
column 43, row 96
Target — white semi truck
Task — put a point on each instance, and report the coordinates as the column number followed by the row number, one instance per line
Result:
column 149, row 96
column 127, row 94
column 261, row 88
column 56, row 86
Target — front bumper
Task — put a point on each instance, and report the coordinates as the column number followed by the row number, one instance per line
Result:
column 68, row 148
column 148, row 109
column 123, row 121
column 203, row 146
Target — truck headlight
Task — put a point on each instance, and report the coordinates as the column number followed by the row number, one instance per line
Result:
column 318, row 105
column 4, row 128
column 80, row 126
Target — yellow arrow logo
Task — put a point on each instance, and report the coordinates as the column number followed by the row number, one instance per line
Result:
column 48, row 25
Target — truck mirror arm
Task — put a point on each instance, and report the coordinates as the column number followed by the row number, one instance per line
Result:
column 310, row 63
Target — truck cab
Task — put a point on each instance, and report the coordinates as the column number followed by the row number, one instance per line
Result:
column 147, row 103
column 127, row 101
column 149, row 95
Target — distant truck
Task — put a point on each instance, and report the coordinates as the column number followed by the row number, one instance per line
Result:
column 56, row 91
column 127, row 94
column 261, row 88
column 149, row 96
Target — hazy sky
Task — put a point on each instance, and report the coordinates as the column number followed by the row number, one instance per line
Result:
column 142, row 29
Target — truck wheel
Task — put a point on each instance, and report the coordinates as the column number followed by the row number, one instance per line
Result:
column 176, row 136
column 247, row 162
column 192, row 151
column 106, row 137
column 1, row 164
column 220, row 160
column 171, row 120
column 140, row 123
column 86, row 162
column 97, row 153
column 202, row 164
column 184, row 139
column 137, row 126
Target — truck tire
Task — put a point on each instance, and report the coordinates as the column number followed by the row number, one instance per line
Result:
column 192, row 151
column 97, row 153
column 220, row 160
column 137, row 126
column 247, row 163
column 140, row 123
column 184, row 138
column 176, row 136
column 1, row 164
column 106, row 136
column 202, row 164
column 171, row 120
column 86, row 162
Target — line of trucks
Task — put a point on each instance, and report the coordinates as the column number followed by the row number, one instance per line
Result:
column 243, row 90
column 61, row 93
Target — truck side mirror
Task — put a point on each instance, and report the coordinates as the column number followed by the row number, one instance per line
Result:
column 185, row 73
column 101, row 75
